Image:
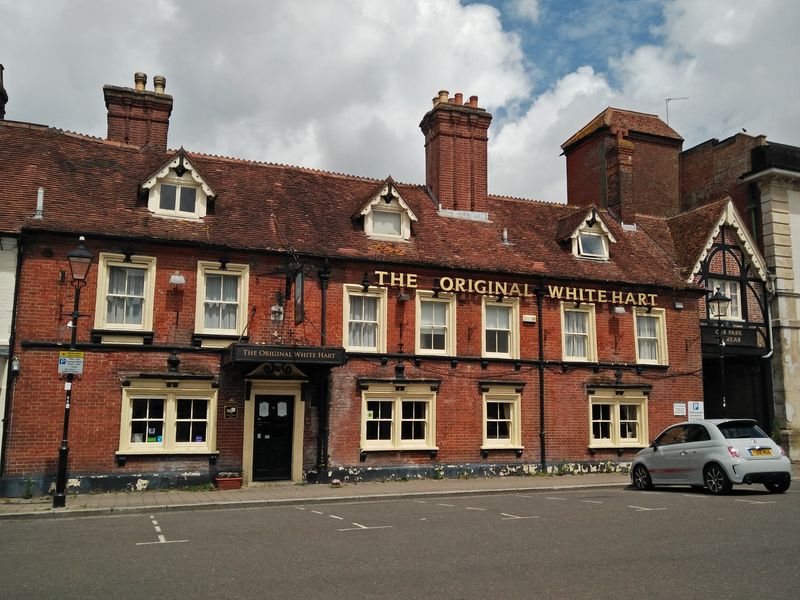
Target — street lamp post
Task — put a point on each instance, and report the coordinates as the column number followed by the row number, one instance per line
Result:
column 80, row 260
column 718, row 305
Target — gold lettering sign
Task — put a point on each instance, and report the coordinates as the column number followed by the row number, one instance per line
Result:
column 488, row 287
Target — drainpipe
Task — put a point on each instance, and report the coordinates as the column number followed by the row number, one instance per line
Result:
column 542, row 442
column 324, row 409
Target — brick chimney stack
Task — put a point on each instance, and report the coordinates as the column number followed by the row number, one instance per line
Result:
column 456, row 161
column 627, row 162
column 137, row 116
column 619, row 176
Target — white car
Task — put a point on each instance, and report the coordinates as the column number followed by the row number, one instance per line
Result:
column 715, row 453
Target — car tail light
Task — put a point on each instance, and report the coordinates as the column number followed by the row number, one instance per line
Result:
column 782, row 452
column 733, row 452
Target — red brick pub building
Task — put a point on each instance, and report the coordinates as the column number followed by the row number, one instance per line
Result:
column 293, row 324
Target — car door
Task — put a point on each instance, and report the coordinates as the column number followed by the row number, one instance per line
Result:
column 669, row 460
column 698, row 445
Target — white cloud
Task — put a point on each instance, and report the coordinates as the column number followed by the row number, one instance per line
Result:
column 526, row 9
column 524, row 156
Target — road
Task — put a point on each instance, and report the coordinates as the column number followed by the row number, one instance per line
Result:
column 608, row 543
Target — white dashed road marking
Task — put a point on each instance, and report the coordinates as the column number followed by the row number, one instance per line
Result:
column 508, row 517
column 473, row 508
column 593, row 501
column 360, row 527
column 757, row 501
column 161, row 538
column 550, row 498
column 642, row 508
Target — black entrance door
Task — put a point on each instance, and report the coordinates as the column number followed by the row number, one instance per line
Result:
column 272, row 438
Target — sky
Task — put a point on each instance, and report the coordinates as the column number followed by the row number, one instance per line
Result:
column 341, row 85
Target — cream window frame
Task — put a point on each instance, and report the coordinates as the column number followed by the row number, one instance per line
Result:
column 661, row 335
column 611, row 397
column 206, row 268
column 591, row 333
column 596, row 231
column 185, row 181
column 170, row 392
column 733, row 290
column 394, row 208
column 450, row 342
column 513, row 341
column 379, row 293
column 508, row 396
column 395, row 395
column 107, row 260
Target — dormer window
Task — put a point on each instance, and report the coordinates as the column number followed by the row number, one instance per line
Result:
column 387, row 216
column 177, row 190
column 178, row 196
column 591, row 238
column 592, row 245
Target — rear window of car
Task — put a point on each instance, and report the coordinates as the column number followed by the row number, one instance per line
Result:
column 741, row 429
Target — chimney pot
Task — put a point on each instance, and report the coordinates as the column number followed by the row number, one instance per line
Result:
column 159, row 82
column 459, row 98
column 473, row 101
column 139, row 81
column 443, row 94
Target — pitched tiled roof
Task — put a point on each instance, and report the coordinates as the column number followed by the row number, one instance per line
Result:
column 625, row 119
column 91, row 189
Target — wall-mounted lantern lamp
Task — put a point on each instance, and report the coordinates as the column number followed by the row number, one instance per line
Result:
column 177, row 279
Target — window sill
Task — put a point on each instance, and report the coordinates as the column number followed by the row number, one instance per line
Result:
column 122, row 455
column 618, row 449
column 217, row 340
column 485, row 450
column 122, row 336
column 433, row 451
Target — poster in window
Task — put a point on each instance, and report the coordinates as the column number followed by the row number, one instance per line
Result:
column 299, row 309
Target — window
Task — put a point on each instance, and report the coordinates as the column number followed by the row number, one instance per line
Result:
column 364, row 319
column 592, row 241
column 221, row 298
column 731, row 290
column 168, row 417
column 501, row 328
column 651, row 336
column 178, row 196
column 125, row 291
column 435, row 324
column 501, row 418
column 592, row 245
column 388, row 223
column 617, row 419
column 578, row 333
column 398, row 417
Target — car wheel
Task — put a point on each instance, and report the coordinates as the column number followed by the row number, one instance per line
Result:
column 717, row 481
column 641, row 478
column 778, row 487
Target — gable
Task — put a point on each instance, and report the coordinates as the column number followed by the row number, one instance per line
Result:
column 730, row 217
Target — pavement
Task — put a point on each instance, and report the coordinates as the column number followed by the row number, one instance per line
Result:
column 283, row 493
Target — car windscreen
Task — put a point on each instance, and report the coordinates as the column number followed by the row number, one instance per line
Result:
column 733, row 430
